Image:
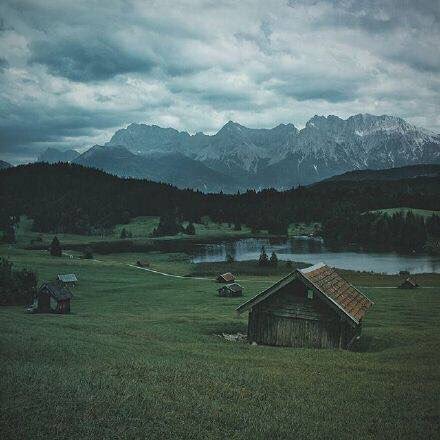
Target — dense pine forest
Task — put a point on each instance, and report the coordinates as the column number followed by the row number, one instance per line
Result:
column 70, row 198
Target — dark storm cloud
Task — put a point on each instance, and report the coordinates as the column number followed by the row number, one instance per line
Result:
column 72, row 72
column 87, row 60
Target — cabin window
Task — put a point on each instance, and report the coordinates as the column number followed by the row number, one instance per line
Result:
column 309, row 293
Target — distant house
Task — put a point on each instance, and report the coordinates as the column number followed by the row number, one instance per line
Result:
column 233, row 289
column 53, row 298
column 226, row 278
column 313, row 307
column 68, row 279
column 409, row 283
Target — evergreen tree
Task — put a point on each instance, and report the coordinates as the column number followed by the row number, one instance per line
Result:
column 55, row 248
column 190, row 229
column 273, row 259
column 88, row 255
column 123, row 235
column 9, row 234
column 263, row 260
column 237, row 226
column 167, row 225
column 230, row 258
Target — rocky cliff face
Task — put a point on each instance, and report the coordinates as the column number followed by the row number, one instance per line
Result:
column 280, row 157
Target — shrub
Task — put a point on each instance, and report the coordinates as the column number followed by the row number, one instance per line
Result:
column 17, row 287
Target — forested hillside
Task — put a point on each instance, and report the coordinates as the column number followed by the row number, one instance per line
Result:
column 71, row 198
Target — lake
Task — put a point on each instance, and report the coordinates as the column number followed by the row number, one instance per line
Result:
column 313, row 250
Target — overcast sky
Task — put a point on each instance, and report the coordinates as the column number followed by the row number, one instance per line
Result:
column 72, row 72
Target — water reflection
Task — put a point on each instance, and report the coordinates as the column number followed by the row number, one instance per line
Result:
column 312, row 250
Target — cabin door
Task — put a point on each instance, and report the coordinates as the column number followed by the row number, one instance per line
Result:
column 44, row 302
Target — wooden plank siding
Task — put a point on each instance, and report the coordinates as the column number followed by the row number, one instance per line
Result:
column 291, row 319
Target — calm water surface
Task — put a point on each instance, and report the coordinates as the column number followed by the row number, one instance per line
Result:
column 312, row 250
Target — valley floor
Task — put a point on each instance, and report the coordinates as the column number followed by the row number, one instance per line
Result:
column 140, row 357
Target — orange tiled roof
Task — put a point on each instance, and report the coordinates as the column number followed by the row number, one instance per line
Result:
column 336, row 289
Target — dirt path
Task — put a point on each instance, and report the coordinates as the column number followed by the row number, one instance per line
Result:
column 182, row 277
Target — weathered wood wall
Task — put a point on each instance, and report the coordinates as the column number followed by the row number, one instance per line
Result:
column 289, row 318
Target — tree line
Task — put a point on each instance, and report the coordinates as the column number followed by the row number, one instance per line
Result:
column 399, row 231
column 71, row 198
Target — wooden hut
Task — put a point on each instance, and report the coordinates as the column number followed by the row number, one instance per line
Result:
column 226, row 278
column 233, row 289
column 53, row 298
column 313, row 307
column 68, row 280
column 409, row 283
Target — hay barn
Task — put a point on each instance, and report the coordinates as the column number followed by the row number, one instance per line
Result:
column 313, row 307
column 69, row 279
column 226, row 278
column 409, row 283
column 53, row 298
column 233, row 289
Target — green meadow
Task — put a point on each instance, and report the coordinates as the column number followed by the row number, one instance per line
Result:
column 420, row 212
column 142, row 356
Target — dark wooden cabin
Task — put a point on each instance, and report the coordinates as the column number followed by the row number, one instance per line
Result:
column 313, row 307
column 232, row 290
column 409, row 283
column 226, row 278
column 68, row 280
column 53, row 298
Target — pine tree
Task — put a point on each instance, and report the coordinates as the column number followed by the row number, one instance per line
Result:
column 123, row 234
column 230, row 258
column 273, row 259
column 237, row 226
column 190, row 229
column 88, row 255
column 264, row 259
column 55, row 248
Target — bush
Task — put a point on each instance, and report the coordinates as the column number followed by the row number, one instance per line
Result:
column 17, row 287
column 230, row 258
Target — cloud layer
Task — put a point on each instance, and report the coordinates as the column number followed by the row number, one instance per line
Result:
column 71, row 73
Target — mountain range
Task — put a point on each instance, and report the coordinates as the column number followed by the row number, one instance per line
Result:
column 4, row 165
column 238, row 157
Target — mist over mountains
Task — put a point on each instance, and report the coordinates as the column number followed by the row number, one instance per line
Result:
column 238, row 158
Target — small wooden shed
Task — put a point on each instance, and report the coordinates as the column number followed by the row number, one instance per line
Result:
column 233, row 289
column 68, row 280
column 313, row 307
column 53, row 298
column 409, row 283
column 226, row 278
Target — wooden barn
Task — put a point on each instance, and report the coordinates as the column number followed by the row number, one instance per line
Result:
column 233, row 289
column 53, row 298
column 313, row 307
column 68, row 280
column 409, row 283
column 226, row 278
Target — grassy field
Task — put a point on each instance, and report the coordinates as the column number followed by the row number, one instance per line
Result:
column 140, row 357
column 420, row 212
